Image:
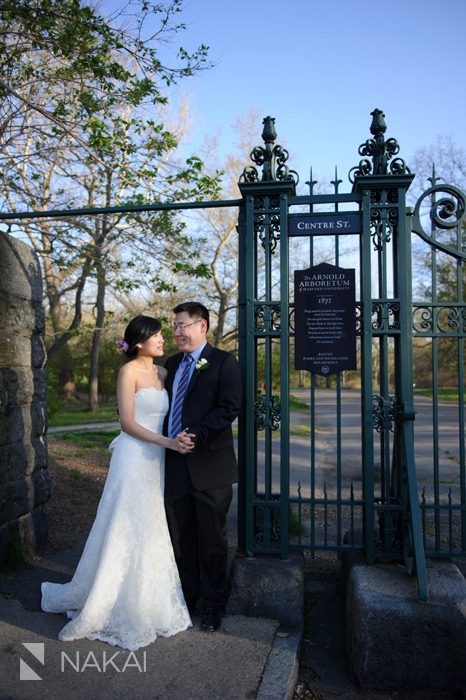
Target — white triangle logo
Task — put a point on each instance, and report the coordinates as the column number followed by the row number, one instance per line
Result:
column 26, row 673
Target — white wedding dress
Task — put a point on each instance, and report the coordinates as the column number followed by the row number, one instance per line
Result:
column 126, row 590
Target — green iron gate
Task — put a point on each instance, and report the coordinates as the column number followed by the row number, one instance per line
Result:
column 349, row 482
column 360, row 490
column 439, row 332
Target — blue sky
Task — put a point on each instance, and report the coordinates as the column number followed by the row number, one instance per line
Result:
column 320, row 68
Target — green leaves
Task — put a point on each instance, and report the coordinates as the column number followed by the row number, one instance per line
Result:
column 84, row 124
column 199, row 270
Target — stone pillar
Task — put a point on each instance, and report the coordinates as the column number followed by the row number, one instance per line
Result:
column 24, row 478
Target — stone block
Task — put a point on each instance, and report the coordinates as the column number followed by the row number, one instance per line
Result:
column 41, row 484
column 3, row 464
column 396, row 642
column 33, row 529
column 17, row 313
column 38, row 353
column 16, row 386
column 9, row 384
column 39, row 447
column 20, row 459
column 24, row 480
column 15, row 350
column 38, row 419
column 40, row 385
column 15, row 499
column 266, row 587
column 15, row 424
column 39, row 317
column 9, row 531
column 27, row 533
column 20, row 270
column 41, row 526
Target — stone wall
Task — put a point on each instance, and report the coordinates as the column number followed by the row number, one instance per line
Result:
column 24, row 478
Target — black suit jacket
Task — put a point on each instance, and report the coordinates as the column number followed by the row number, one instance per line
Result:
column 212, row 402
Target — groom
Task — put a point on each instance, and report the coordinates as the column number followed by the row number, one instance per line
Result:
column 204, row 386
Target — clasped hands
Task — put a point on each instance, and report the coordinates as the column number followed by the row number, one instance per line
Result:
column 185, row 441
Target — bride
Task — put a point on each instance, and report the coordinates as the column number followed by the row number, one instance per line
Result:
column 126, row 590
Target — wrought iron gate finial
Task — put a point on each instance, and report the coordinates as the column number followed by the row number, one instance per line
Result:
column 378, row 125
column 271, row 157
column 269, row 133
column 380, row 150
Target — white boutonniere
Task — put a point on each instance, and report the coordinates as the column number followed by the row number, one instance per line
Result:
column 201, row 365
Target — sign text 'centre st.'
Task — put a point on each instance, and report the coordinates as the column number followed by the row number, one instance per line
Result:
column 324, row 224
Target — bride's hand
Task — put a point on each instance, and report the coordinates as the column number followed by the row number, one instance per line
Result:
column 183, row 441
column 187, row 438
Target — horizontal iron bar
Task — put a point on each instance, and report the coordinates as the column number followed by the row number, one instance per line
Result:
column 267, row 334
column 121, row 209
column 325, row 501
column 379, row 332
column 444, row 554
column 442, row 506
column 389, row 508
column 324, row 199
column 439, row 334
column 325, row 547
column 419, row 306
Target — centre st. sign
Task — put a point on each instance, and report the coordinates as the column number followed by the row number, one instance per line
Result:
column 324, row 224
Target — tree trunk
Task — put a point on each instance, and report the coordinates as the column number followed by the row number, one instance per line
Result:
column 66, row 375
column 222, row 310
column 66, row 371
column 93, row 404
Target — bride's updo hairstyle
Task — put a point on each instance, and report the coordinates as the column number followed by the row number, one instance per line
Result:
column 140, row 329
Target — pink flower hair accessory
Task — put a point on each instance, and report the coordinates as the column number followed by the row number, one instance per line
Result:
column 122, row 344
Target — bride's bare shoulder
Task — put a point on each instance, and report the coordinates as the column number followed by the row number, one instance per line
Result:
column 126, row 370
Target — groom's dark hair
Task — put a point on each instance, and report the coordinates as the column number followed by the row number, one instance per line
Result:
column 195, row 310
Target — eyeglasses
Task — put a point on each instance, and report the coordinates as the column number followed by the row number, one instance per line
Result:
column 181, row 326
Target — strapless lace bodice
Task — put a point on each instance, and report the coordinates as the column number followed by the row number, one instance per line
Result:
column 150, row 408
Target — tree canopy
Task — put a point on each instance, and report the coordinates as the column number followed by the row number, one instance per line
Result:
column 84, row 123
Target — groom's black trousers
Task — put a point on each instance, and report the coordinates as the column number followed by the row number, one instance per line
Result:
column 197, row 521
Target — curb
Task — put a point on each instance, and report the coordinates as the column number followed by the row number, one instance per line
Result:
column 281, row 670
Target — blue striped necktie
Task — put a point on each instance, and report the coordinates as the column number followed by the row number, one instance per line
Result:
column 179, row 398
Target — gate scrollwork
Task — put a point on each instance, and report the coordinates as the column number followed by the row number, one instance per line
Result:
column 445, row 213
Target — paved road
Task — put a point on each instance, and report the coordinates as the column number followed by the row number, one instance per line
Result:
column 325, row 476
column 448, row 449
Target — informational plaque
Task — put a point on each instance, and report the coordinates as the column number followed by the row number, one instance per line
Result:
column 325, row 319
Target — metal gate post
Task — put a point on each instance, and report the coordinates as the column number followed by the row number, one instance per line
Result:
column 262, row 316
column 387, row 320
column 366, row 376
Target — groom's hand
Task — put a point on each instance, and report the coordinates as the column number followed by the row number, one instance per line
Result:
column 187, row 439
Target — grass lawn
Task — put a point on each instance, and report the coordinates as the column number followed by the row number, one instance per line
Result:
column 446, row 393
column 76, row 414
column 297, row 405
column 84, row 443
column 89, row 438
